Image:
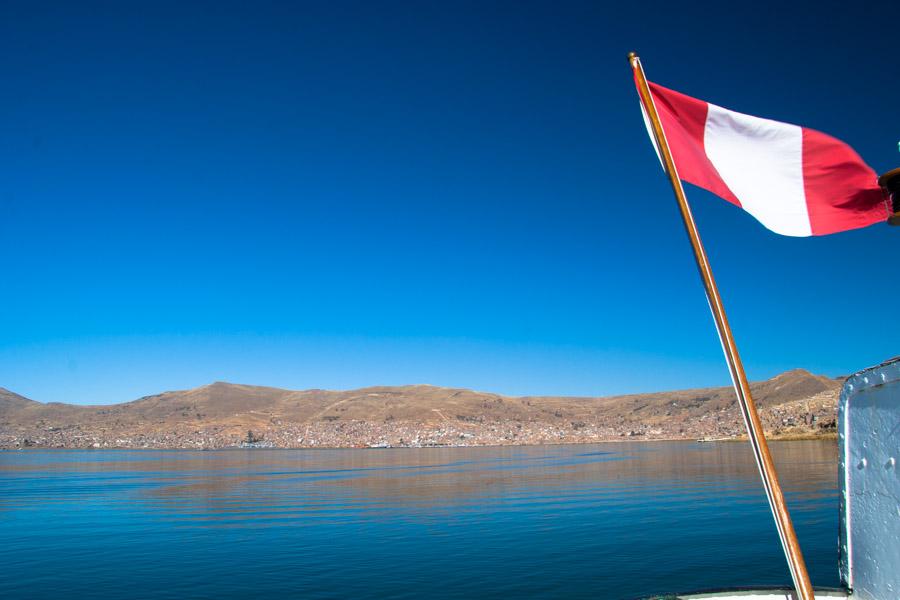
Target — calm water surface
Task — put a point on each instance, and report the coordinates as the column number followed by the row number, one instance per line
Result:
column 601, row 521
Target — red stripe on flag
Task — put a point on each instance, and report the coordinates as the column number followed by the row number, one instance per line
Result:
column 842, row 192
column 684, row 121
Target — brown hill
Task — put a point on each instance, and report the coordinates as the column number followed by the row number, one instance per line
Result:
column 220, row 414
column 10, row 401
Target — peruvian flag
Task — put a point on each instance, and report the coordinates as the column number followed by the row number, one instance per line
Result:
column 795, row 181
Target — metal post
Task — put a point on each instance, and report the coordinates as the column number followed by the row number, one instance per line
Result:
column 741, row 387
column 890, row 183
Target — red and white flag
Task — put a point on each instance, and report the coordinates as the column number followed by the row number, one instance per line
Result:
column 794, row 180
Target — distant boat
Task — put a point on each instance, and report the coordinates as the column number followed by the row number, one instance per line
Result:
column 259, row 444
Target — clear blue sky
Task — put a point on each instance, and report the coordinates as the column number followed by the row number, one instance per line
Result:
column 344, row 194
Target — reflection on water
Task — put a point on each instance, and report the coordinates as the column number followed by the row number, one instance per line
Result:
column 600, row 521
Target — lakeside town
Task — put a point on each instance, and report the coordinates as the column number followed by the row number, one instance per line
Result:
column 796, row 404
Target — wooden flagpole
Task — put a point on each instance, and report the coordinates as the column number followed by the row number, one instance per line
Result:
column 741, row 387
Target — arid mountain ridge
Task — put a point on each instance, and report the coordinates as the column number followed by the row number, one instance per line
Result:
column 223, row 415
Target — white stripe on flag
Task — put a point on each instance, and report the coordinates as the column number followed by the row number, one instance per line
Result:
column 761, row 162
column 651, row 134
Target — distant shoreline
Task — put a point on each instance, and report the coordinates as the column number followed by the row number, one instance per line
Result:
column 797, row 437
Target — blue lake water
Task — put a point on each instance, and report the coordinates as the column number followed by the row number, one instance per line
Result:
column 600, row 521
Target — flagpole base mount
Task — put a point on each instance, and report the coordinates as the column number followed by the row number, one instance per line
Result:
column 890, row 183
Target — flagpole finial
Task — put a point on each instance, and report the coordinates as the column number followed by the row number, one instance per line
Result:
column 890, row 183
column 632, row 56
